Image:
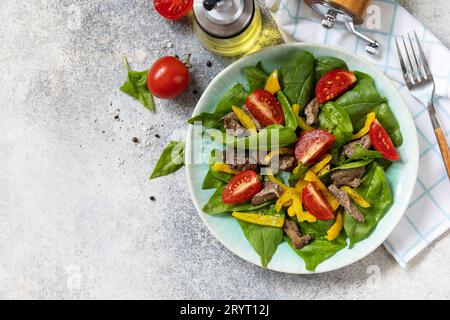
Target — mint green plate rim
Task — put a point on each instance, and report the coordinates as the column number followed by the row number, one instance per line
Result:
column 401, row 175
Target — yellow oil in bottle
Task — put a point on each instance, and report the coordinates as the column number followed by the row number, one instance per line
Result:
column 243, row 43
column 258, row 34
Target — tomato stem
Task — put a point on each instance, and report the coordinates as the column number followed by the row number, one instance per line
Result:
column 186, row 61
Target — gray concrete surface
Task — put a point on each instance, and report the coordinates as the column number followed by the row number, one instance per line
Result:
column 76, row 219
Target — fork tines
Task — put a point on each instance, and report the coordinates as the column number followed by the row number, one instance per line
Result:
column 415, row 70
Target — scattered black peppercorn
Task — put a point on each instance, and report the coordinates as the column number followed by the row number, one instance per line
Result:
column 152, row 198
column 195, row 91
column 135, row 140
column 157, row 136
column 209, row 64
column 116, row 117
column 177, row 56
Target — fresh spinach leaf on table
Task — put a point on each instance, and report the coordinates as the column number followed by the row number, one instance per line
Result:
column 256, row 76
column 297, row 77
column 376, row 190
column 290, row 121
column 136, row 86
column 171, row 159
column 325, row 64
column 263, row 239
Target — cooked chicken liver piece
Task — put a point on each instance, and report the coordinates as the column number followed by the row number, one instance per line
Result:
column 292, row 231
column 349, row 148
column 312, row 112
column 348, row 177
column 269, row 192
column 344, row 200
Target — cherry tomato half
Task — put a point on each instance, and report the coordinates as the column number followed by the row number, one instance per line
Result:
column 316, row 203
column 167, row 78
column 333, row 84
column 242, row 187
column 382, row 142
column 312, row 145
column 173, row 9
column 265, row 107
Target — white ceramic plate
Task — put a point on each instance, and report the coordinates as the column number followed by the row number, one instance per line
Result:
column 402, row 175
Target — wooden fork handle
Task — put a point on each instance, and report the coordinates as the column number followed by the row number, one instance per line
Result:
column 445, row 150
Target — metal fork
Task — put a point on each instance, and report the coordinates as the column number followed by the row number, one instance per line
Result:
column 420, row 83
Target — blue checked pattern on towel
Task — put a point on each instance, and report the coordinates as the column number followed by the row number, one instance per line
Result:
column 428, row 214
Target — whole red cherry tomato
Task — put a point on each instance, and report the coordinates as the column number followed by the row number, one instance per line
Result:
column 167, row 78
column 333, row 84
column 173, row 9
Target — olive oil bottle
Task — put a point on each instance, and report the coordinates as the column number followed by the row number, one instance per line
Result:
column 231, row 27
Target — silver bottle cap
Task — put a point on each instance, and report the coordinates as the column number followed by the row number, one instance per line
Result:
column 224, row 18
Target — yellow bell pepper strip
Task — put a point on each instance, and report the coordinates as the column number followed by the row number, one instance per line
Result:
column 306, row 216
column 276, row 221
column 301, row 122
column 223, row 167
column 272, row 83
column 281, row 151
column 324, row 170
column 290, row 197
column 300, row 185
column 332, row 200
column 356, row 197
column 244, row 118
column 322, row 163
column 272, row 178
column 364, row 130
column 336, row 228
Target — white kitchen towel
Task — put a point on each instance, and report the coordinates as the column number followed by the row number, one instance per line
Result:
column 428, row 214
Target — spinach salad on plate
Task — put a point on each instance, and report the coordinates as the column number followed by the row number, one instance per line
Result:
column 302, row 157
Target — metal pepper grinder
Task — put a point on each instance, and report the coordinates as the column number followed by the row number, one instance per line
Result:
column 347, row 12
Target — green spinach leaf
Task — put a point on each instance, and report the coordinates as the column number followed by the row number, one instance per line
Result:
column 360, row 100
column 290, row 121
column 326, row 64
column 208, row 120
column 293, row 178
column 361, row 153
column 336, row 120
column 256, row 76
column 376, row 190
column 297, row 77
column 171, row 159
column 319, row 250
column 236, row 96
column 211, row 182
column 274, row 136
column 136, row 86
column 353, row 165
column 263, row 239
